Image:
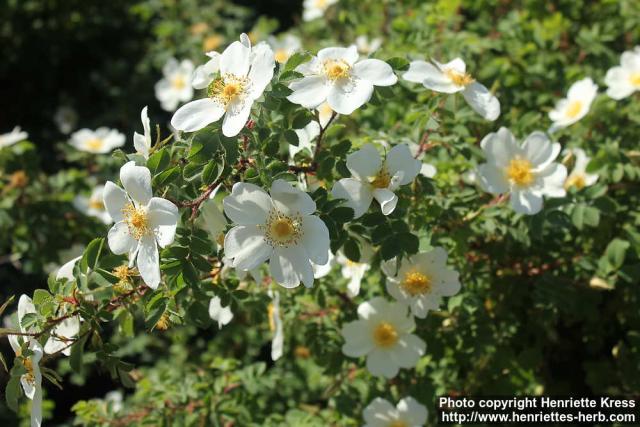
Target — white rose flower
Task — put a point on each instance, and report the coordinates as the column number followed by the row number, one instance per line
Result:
column 244, row 73
column 408, row 413
column 452, row 77
column 366, row 46
column 337, row 77
column 279, row 227
column 284, row 47
column 383, row 334
column 527, row 171
column 93, row 205
column 220, row 314
column 322, row 270
column 276, row 326
column 142, row 222
column 174, row 87
column 579, row 177
column 62, row 336
column 16, row 135
column 575, row 106
column 142, row 143
column 422, row 280
column 624, row 79
column 314, row 9
column 102, row 140
column 355, row 271
column 31, row 381
column 375, row 178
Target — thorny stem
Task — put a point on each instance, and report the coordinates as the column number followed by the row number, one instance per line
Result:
column 314, row 165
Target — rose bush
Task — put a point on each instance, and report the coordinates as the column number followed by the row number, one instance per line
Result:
column 500, row 256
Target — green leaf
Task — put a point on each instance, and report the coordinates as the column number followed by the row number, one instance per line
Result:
column 211, row 172
column 12, row 393
column 351, row 249
column 77, row 351
column 296, row 59
column 91, row 255
column 158, row 161
column 342, row 214
column 398, row 63
column 291, row 137
column 166, row 177
column 615, row 253
column 390, row 248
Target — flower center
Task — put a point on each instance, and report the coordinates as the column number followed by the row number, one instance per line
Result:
column 398, row 423
column 577, row 181
column 96, row 204
column 178, row 82
column 635, row 79
column 382, row 179
column 137, row 220
column 574, row 109
column 272, row 322
column 227, row 89
column 520, row 172
column 95, row 143
column 283, row 230
column 122, row 272
column 321, row 4
column 336, row 69
column 281, row 55
column 416, row 283
column 385, row 335
column 220, row 239
column 458, row 78
column 28, row 365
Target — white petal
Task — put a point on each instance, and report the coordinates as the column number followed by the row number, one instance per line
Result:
column 428, row 170
column 148, row 262
column 114, row 199
column 309, row 91
column 291, row 265
column 119, row 239
column 619, row 85
column 380, row 363
column 163, row 219
column 482, row 101
column 408, row 351
column 136, row 181
column 358, row 195
column 220, row 314
column 262, row 65
column 66, row 271
column 235, row 120
column 358, row 339
column 412, row 411
column 348, row 54
column 374, row 306
column 552, row 179
column 247, row 204
column 526, row 202
column 500, row 147
column 419, row 70
column 364, row 163
column 235, row 60
column 25, row 306
column 245, row 244
column 346, row 98
column 492, row 179
column 203, row 75
column 315, row 239
column 375, row 71
column 399, row 159
column 196, row 115
column 379, row 413
column 387, row 199
column 290, row 200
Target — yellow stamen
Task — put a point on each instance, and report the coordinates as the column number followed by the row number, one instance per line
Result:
column 95, row 143
column 137, row 220
column 96, row 204
column 28, row 365
column 282, row 230
column 302, row 352
column 336, row 69
column 385, row 335
column 574, row 109
column 227, row 89
column 458, row 78
column 212, row 42
column 163, row 323
column 320, row 4
column 272, row 322
column 220, row 239
column 398, row 423
column 281, row 55
column 577, row 181
column 382, row 179
column 635, row 79
column 416, row 283
column 178, row 82
column 520, row 172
